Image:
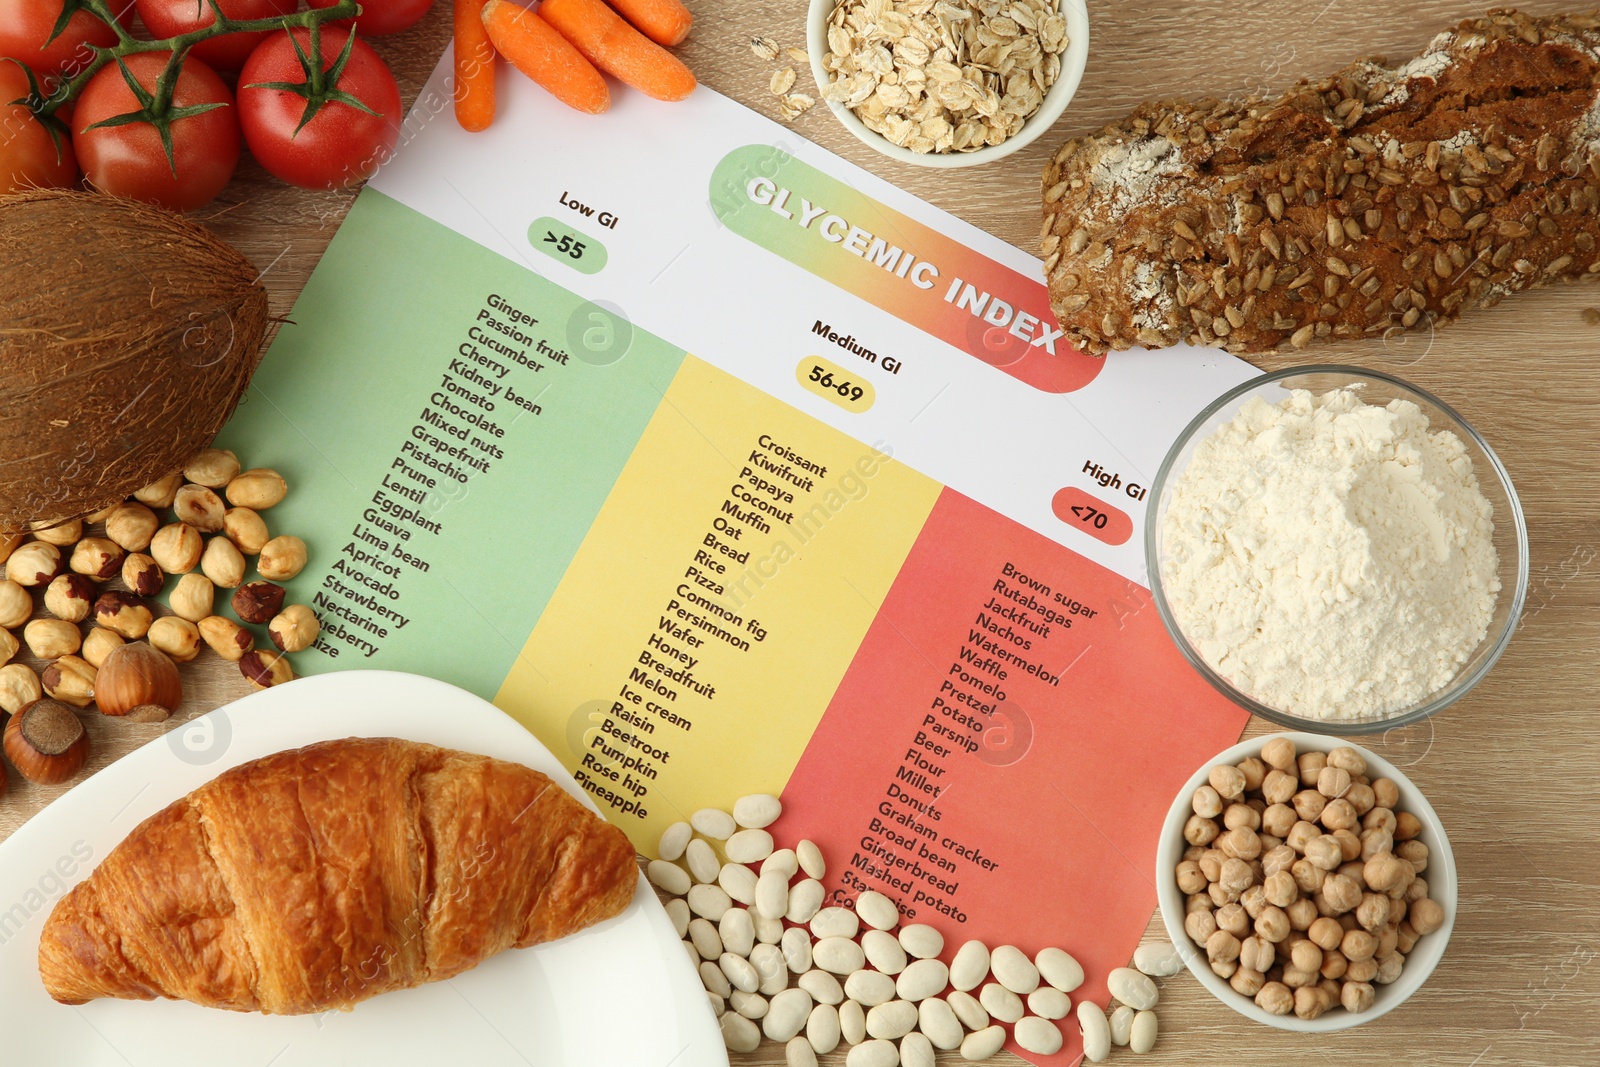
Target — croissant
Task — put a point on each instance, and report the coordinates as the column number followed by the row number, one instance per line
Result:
column 316, row 878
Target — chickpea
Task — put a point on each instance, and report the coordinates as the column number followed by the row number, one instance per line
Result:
column 1191, row 879
column 1324, row 852
column 1279, row 819
column 1358, row 945
column 1200, row 830
column 1301, row 834
column 1306, row 956
column 1360, row 797
column 1236, row 815
column 1308, row 804
column 1338, row 814
column 1296, row 979
column 1333, row 782
column 1280, row 889
column 1334, row 964
column 1269, row 842
column 1413, row 852
column 1247, row 982
column 1406, row 937
column 1379, row 819
column 1199, row 925
column 1221, row 895
column 1425, row 916
column 1256, row 954
column 1252, row 900
column 1416, row 890
column 1254, row 771
column 1349, row 845
column 1211, row 862
column 1241, row 842
column 1278, row 787
column 1337, row 895
column 1193, row 853
column 1275, row 998
column 1197, row 902
column 1326, row 933
column 1388, row 943
column 1278, row 754
column 1374, row 842
column 1224, row 969
column 1279, row 858
column 1222, row 947
column 1302, row 913
column 1356, row 996
column 1385, row 792
column 1310, row 764
column 1273, row 924
column 1348, row 760
column 1308, row 876
column 1386, row 871
column 1227, row 781
column 1236, row 875
column 1310, row 1002
column 1406, row 826
column 1233, row 919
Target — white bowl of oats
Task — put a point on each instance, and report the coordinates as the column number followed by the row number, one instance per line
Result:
column 947, row 83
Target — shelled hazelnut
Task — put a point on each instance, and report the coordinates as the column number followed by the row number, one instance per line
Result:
column 142, row 574
column 295, row 628
column 265, row 668
column 258, row 602
column 97, row 558
column 177, row 637
column 257, row 489
column 34, row 564
column 282, row 558
column 8, row 646
column 19, row 687
column 123, row 612
column 159, row 494
column 16, row 605
column 177, row 548
column 223, row 563
column 246, row 529
column 193, row 597
column 197, row 506
column 227, row 638
column 46, row 742
column 9, row 543
column 70, row 597
column 70, row 679
column 131, row 526
column 58, row 534
column 214, row 468
column 98, row 645
column 52, row 638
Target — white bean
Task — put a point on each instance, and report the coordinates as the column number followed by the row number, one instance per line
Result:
column 799, row 1053
column 968, row 1009
column 709, row 902
column 835, row 922
column 822, row 1028
column 769, row 964
column 1047, row 1002
column 874, row 1053
column 750, row 1005
column 938, row 1021
column 702, row 860
column 772, row 895
column 810, row 857
column 823, row 987
column 852, row 1022
column 737, row 931
column 1037, row 1035
column 1014, row 970
column 916, row 1051
column 805, row 900
column 922, row 979
column 970, row 967
column 768, row 931
column 1135, row 990
column 790, row 1008
column 1096, row 1031
column 706, row 940
column 712, row 978
column 1121, row 1025
column 718, row 1005
column 1159, row 959
column 695, row 958
column 757, row 810
column 1143, row 1038
column 748, row 846
column 883, row 951
column 796, row 945
column 741, row 974
column 892, row 1020
column 739, row 882
column 669, row 877
column 1000, row 1002
column 713, row 822
column 983, row 1044
column 869, row 988
column 674, row 839
column 877, row 910
column 1059, row 969
column 678, row 912
column 739, row 1033
column 921, row 941
column 781, row 862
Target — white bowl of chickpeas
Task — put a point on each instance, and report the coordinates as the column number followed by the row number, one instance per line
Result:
column 1308, row 884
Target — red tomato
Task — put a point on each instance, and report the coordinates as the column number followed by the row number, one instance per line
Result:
column 28, row 157
column 129, row 160
column 168, row 18
column 341, row 145
column 25, row 27
column 379, row 17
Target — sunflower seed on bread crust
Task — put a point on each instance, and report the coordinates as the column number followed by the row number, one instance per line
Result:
column 1369, row 201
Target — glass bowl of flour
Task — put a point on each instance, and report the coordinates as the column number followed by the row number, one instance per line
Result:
column 1336, row 550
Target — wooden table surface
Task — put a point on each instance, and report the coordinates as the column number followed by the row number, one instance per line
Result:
column 1511, row 768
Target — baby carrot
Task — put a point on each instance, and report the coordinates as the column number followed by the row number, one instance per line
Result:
column 529, row 43
column 619, row 49
column 474, row 67
column 666, row 22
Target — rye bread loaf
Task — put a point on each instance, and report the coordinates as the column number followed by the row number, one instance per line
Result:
column 1378, row 199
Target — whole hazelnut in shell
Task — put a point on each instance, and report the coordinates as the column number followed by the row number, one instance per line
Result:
column 135, row 674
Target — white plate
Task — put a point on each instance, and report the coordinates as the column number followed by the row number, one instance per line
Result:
column 619, row 993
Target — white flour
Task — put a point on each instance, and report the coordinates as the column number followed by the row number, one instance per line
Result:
column 1331, row 558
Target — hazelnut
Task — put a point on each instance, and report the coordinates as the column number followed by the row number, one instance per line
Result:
column 258, row 489
column 100, row 516
column 227, row 638
column 295, row 628
column 132, row 526
column 98, row 645
column 35, row 563
column 70, row 679
column 148, row 713
column 246, row 529
column 258, row 602
column 19, row 687
column 282, row 558
column 142, row 574
column 59, row 534
column 193, row 597
column 8, row 646
column 98, row 558
column 223, row 563
column 178, row 638
column 123, row 612
column 213, row 468
column 9, row 543
column 265, row 668
column 137, row 674
column 199, row 507
column 47, row 742
column 160, row 494
column 69, row 597
column 16, row 605
column 177, row 548
column 52, row 638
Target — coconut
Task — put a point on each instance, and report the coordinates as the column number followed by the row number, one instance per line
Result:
column 127, row 336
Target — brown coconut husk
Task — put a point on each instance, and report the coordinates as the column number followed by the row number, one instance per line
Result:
column 127, row 336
